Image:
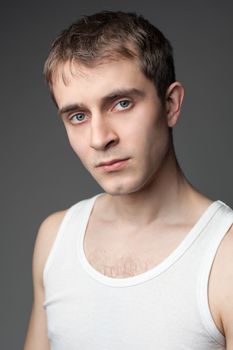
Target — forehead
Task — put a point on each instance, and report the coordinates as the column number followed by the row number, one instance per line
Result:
column 73, row 79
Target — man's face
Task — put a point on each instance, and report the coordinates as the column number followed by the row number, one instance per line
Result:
column 115, row 123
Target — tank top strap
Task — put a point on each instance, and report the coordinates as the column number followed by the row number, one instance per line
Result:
column 74, row 220
column 218, row 228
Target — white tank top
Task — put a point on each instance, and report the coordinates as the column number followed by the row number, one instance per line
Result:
column 164, row 308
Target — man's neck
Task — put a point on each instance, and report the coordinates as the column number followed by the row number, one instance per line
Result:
column 168, row 197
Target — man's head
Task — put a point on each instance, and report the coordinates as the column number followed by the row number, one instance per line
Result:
column 112, row 78
column 112, row 35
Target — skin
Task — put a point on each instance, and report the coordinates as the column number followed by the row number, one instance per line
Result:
column 103, row 122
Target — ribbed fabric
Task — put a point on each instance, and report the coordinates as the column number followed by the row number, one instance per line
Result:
column 165, row 308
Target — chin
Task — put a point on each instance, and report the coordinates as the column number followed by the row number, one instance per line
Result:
column 116, row 187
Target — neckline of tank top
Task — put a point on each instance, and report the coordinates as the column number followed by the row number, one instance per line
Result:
column 158, row 269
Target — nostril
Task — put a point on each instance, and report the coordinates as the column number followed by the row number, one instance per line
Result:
column 111, row 143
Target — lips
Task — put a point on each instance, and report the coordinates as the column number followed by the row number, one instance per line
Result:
column 113, row 165
column 110, row 162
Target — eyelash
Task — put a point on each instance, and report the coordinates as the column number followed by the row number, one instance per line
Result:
column 71, row 118
column 125, row 100
column 80, row 113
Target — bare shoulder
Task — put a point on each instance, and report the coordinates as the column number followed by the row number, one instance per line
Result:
column 37, row 329
column 44, row 241
column 221, row 284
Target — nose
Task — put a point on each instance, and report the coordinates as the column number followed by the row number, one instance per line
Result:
column 102, row 134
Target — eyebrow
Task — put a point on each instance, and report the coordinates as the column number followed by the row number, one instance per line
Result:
column 117, row 93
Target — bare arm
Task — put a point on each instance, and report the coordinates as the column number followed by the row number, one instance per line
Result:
column 222, row 287
column 36, row 338
column 227, row 302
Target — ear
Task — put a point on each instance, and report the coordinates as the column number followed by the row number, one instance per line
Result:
column 173, row 102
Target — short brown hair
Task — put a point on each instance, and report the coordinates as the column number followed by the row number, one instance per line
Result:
column 107, row 35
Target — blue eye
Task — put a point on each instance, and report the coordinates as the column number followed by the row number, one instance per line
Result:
column 123, row 104
column 78, row 117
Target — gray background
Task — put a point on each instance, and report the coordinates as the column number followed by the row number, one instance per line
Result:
column 40, row 173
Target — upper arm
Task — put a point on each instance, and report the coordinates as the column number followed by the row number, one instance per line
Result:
column 36, row 338
column 227, row 307
column 224, row 286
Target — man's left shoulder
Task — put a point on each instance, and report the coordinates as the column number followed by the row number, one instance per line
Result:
column 222, row 278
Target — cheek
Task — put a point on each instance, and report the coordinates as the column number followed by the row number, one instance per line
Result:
column 153, row 144
column 158, row 146
column 77, row 142
column 145, row 134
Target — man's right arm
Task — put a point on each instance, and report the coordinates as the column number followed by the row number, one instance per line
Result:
column 36, row 338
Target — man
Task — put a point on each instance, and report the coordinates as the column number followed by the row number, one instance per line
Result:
column 147, row 264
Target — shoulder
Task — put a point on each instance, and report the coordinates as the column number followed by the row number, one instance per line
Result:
column 222, row 283
column 45, row 238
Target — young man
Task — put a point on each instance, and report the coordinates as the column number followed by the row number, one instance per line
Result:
column 147, row 264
